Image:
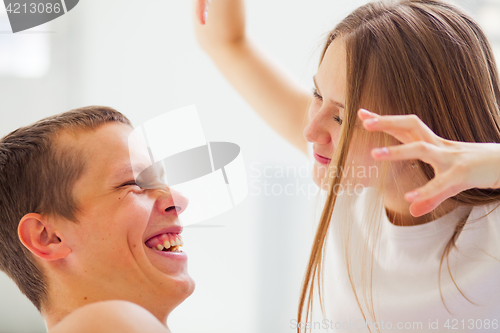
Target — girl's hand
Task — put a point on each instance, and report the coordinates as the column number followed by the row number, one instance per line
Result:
column 202, row 10
column 458, row 166
column 219, row 24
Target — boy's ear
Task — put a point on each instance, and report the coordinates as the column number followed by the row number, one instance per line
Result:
column 39, row 236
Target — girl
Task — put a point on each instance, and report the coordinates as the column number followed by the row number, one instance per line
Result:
column 408, row 234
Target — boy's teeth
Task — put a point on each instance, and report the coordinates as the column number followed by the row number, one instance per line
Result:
column 176, row 249
column 164, row 242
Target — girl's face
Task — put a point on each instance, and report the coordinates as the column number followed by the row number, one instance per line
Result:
column 326, row 114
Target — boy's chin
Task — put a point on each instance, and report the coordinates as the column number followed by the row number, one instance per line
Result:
column 184, row 287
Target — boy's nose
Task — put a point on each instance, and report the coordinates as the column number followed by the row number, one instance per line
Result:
column 172, row 202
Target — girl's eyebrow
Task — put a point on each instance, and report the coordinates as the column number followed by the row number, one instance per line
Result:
column 340, row 105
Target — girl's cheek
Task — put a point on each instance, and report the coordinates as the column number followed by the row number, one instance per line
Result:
column 313, row 110
column 335, row 137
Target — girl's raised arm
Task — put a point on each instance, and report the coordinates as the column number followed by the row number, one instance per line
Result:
column 279, row 100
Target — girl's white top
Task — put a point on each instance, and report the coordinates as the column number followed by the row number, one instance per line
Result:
column 406, row 284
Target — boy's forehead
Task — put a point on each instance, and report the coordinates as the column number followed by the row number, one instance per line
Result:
column 107, row 140
column 104, row 149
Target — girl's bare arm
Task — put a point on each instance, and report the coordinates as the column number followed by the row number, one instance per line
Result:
column 278, row 98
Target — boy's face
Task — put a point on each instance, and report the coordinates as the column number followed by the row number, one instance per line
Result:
column 116, row 218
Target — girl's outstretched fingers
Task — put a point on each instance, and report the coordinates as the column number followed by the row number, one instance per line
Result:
column 419, row 150
column 419, row 208
column 365, row 114
column 405, row 128
column 202, row 10
column 428, row 197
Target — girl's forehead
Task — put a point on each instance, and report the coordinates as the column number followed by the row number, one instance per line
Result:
column 330, row 79
column 333, row 65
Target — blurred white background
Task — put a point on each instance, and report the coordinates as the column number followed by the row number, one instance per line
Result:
column 141, row 57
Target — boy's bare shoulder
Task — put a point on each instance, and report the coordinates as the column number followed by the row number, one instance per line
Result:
column 110, row 316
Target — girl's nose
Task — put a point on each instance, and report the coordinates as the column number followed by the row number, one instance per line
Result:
column 316, row 131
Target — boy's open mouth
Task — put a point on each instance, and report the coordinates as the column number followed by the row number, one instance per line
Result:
column 166, row 243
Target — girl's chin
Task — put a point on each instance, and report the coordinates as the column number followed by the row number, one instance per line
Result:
column 318, row 176
column 321, row 182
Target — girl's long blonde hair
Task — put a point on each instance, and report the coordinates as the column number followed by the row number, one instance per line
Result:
column 423, row 57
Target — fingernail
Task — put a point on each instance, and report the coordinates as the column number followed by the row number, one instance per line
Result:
column 365, row 111
column 381, row 151
column 205, row 15
column 371, row 121
column 411, row 195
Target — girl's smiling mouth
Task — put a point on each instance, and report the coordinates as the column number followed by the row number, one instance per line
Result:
column 322, row 159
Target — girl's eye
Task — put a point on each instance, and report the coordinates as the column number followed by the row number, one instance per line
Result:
column 316, row 95
column 320, row 98
column 337, row 119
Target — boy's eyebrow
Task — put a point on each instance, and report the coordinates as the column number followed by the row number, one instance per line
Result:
column 119, row 173
column 340, row 105
column 126, row 169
